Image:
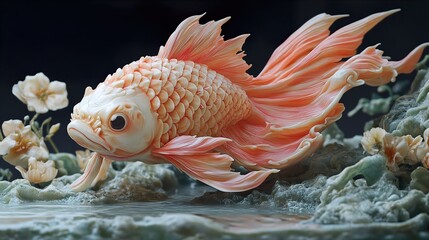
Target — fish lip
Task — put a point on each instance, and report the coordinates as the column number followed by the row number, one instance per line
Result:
column 126, row 157
column 90, row 138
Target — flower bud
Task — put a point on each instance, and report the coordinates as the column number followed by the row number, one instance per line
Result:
column 54, row 128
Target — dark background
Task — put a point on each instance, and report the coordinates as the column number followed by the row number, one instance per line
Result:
column 80, row 43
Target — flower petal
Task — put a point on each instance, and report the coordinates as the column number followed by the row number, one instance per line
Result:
column 40, row 80
column 57, row 101
column 11, row 126
column 39, row 172
column 6, row 144
column 16, row 90
column 37, row 105
column 40, row 153
column 57, row 87
column 34, row 85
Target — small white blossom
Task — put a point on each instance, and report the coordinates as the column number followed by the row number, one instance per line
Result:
column 422, row 151
column 400, row 150
column 372, row 140
column 40, row 95
column 20, row 143
column 38, row 171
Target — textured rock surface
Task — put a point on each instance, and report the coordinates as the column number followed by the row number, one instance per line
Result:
column 410, row 113
column 374, row 198
column 135, row 182
column 189, row 226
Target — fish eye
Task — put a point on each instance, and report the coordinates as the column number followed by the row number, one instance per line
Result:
column 118, row 122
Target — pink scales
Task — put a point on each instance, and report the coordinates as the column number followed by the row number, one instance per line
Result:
column 189, row 98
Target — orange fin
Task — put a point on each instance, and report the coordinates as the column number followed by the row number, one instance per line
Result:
column 300, row 43
column 191, row 155
column 95, row 171
column 292, row 71
column 297, row 94
column 203, row 44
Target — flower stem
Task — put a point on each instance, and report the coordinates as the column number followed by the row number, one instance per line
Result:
column 44, row 123
column 1, row 136
column 52, row 144
column 33, row 125
column 34, row 118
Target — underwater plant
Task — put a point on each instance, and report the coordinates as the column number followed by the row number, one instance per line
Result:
column 377, row 104
column 23, row 143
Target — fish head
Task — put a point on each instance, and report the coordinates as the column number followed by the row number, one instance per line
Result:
column 116, row 123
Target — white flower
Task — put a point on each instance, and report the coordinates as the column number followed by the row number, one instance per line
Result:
column 372, row 140
column 20, row 143
column 401, row 150
column 83, row 157
column 38, row 171
column 40, row 95
column 422, row 151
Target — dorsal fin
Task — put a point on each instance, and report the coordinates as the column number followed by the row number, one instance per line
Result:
column 203, row 44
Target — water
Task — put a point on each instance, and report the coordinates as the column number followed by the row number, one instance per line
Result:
column 179, row 218
column 178, row 203
column 173, row 218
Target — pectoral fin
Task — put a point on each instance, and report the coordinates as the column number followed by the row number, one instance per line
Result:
column 95, row 171
column 192, row 155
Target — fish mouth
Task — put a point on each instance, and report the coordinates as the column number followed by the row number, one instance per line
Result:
column 85, row 136
column 124, row 156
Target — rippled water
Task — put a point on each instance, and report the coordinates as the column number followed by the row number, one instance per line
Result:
column 50, row 220
column 178, row 218
column 176, row 204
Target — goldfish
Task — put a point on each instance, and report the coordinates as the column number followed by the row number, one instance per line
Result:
column 195, row 106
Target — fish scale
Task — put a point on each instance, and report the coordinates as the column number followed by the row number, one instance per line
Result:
column 189, row 98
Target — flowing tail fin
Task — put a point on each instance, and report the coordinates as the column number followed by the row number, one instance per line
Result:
column 294, row 98
column 297, row 94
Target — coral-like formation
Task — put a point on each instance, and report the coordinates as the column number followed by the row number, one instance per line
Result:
column 410, row 113
column 376, row 104
column 5, row 174
column 420, row 179
column 376, row 197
